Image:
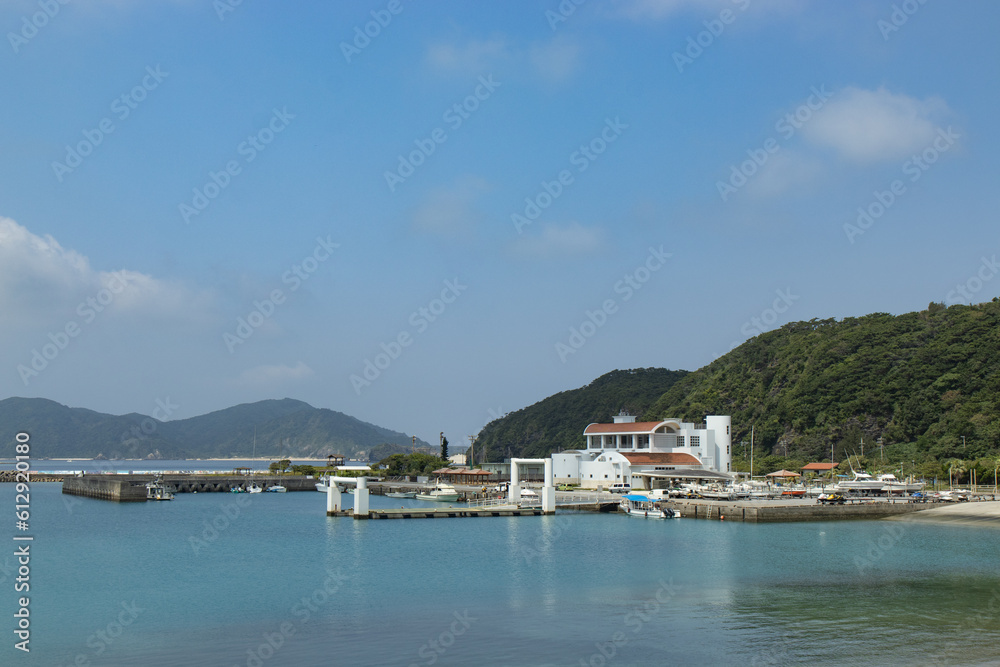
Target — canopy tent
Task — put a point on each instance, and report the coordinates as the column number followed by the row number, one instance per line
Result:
column 782, row 473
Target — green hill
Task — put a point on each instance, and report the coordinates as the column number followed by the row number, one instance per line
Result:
column 284, row 427
column 557, row 422
column 919, row 381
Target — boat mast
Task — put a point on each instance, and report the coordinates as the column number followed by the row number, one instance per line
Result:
column 751, row 452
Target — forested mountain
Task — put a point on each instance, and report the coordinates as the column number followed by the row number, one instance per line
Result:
column 920, row 381
column 286, row 427
column 557, row 422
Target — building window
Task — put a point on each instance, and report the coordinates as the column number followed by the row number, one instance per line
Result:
column 605, row 475
column 695, row 440
column 643, row 441
column 627, row 442
column 680, row 441
column 610, row 442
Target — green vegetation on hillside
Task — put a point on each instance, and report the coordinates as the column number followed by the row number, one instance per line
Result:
column 557, row 422
column 919, row 382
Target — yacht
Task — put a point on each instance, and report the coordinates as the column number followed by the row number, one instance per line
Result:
column 892, row 485
column 441, row 492
column 401, row 494
column 862, row 483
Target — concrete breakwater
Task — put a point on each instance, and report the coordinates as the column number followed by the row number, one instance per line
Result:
column 786, row 511
column 132, row 488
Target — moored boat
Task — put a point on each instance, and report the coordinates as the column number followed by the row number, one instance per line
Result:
column 401, row 494
column 641, row 506
column 441, row 492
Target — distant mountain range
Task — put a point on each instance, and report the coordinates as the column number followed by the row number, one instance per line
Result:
column 926, row 383
column 285, row 428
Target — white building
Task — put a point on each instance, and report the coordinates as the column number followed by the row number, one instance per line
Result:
column 636, row 453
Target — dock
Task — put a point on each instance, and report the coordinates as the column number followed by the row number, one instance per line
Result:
column 439, row 513
column 774, row 511
column 132, row 488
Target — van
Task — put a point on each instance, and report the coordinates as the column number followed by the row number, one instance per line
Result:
column 620, row 487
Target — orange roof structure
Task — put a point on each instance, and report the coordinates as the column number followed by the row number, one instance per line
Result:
column 819, row 467
column 661, row 458
column 782, row 473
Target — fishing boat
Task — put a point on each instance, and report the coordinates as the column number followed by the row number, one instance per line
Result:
column 441, row 492
column 159, row 490
column 254, row 488
column 401, row 494
column 277, row 488
column 641, row 506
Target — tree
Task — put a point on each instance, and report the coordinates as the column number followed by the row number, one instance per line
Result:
column 444, row 447
column 279, row 466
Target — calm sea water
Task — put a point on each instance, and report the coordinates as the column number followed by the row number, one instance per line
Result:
column 270, row 581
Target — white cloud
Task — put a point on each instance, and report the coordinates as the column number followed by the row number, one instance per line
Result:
column 552, row 60
column 783, row 171
column 875, row 125
column 557, row 59
column 571, row 239
column 268, row 375
column 473, row 57
column 38, row 277
column 658, row 10
column 451, row 210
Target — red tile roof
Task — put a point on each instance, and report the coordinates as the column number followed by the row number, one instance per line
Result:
column 661, row 458
column 634, row 427
column 820, row 466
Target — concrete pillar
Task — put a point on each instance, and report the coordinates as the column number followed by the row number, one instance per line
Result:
column 333, row 501
column 548, row 491
column 361, row 499
column 514, row 494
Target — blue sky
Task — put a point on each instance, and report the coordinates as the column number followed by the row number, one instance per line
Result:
column 477, row 204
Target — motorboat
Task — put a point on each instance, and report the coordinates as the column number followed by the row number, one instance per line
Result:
column 891, row 484
column 862, row 483
column 441, row 492
column 159, row 490
column 255, row 489
column 642, row 506
column 401, row 494
column 277, row 488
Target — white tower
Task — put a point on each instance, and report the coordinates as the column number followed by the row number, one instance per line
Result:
column 723, row 441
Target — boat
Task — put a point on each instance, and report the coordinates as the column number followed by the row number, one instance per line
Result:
column 277, row 488
column 441, row 492
column 401, row 494
column 641, row 506
column 322, row 484
column 255, row 489
column 890, row 484
column 159, row 490
column 862, row 483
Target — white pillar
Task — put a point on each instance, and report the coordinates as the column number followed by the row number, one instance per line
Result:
column 361, row 499
column 548, row 491
column 514, row 494
column 333, row 503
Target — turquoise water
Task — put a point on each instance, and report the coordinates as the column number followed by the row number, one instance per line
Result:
column 131, row 584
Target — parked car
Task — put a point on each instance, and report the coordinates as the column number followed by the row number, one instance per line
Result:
column 620, row 487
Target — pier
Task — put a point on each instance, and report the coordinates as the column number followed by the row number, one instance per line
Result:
column 132, row 488
column 773, row 511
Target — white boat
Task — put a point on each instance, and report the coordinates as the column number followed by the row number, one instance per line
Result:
column 401, row 494
column 277, row 488
column 441, row 492
column 862, row 483
column 158, row 490
column 641, row 506
column 255, row 489
column 892, row 485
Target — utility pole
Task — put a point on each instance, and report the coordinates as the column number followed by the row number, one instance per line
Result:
column 862, row 448
column 751, row 452
column 472, row 450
